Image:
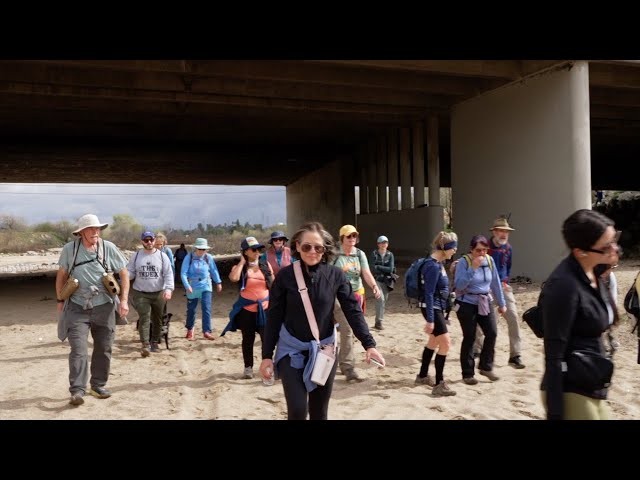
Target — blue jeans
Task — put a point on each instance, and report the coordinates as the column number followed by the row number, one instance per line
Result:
column 192, row 304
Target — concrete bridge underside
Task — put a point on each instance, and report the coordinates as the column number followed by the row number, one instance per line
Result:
column 519, row 131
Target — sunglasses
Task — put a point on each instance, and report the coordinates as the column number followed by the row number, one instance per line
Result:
column 608, row 248
column 353, row 235
column 481, row 250
column 254, row 249
column 147, row 240
column 306, row 248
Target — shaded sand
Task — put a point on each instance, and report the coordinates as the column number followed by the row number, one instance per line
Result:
column 202, row 379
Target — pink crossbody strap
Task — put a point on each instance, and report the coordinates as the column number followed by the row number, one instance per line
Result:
column 306, row 301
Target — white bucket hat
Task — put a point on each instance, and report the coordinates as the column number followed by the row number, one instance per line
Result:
column 201, row 243
column 89, row 220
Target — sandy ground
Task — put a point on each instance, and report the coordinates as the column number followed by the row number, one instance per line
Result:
column 202, row 379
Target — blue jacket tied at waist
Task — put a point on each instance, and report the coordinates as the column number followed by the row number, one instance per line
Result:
column 290, row 345
column 239, row 305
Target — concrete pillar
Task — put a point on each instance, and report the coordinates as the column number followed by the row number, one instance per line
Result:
column 322, row 196
column 371, row 176
column 405, row 168
column 524, row 149
column 433, row 163
column 381, row 170
column 418, row 164
column 362, row 179
column 392, row 164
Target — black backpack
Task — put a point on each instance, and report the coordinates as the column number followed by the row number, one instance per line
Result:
column 631, row 304
column 533, row 317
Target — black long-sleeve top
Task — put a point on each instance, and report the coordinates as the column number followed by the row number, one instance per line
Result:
column 575, row 316
column 325, row 284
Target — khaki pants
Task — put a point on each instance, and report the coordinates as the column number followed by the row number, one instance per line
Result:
column 346, row 356
column 579, row 407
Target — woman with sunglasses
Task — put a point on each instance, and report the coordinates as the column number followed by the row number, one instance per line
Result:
column 249, row 312
column 198, row 271
column 476, row 276
column 355, row 265
column 288, row 331
column 278, row 254
column 575, row 315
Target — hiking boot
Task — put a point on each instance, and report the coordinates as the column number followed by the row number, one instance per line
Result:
column 489, row 374
column 378, row 326
column 154, row 347
column 248, row 373
column 428, row 380
column 76, row 399
column 100, row 392
column 189, row 334
column 470, row 380
column 515, row 362
column 208, row 336
column 352, row 376
column 442, row 390
column 145, row 350
column 476, row 355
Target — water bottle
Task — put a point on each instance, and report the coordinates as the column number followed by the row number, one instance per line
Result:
column 267, row 382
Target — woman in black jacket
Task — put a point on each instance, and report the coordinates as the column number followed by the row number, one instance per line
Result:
column 575, row 316
column 288, row 327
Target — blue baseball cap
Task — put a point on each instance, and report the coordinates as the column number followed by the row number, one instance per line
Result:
column 147, row 234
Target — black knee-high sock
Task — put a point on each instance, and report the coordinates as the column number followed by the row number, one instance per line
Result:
column 427, row 353
column 440, row 359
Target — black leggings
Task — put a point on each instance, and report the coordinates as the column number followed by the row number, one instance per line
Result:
column 317, row 404
column 246, row 321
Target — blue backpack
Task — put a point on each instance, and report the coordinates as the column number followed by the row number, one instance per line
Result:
column 413, row 280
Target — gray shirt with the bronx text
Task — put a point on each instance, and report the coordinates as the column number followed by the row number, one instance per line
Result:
column 150, row 272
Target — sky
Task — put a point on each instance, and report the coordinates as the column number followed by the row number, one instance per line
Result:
column 153, row 206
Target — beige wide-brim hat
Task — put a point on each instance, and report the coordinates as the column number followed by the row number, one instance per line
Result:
column 89, row 220
column 502, row 224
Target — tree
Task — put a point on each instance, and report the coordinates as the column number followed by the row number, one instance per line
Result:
column 9, row 222
column 124, row 231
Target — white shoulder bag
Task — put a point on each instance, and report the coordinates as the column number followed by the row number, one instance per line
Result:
column 326, row 356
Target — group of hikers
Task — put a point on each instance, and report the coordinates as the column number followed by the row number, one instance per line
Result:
column 299, row 297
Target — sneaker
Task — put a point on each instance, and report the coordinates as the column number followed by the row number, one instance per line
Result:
column 76, row 399
column 442, row 390
column 189, row 334
column 145, row 350
column 208, row 336
column 470, row 380
column 100, row 392
column 428, row 380
column 352, row 376
column 378, row 326
column 248, row 373
column 489, row 374
column 154, row 347
column 515, row 362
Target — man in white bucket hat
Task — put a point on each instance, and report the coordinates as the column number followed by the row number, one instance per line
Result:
column 91, row 307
